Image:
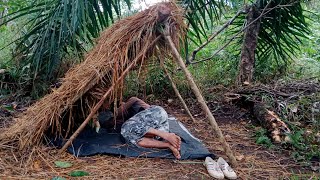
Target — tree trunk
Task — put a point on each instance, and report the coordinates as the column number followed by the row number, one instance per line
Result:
column 249, row 45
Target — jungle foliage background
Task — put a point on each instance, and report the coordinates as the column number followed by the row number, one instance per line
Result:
column 41, row 39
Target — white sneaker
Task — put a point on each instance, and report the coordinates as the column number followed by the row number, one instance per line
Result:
column 226, row 169
column 213, row 168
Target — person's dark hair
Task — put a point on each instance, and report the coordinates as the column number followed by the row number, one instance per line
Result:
column 105, row 118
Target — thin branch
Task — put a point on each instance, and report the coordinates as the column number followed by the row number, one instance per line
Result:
column 219, row 50
column 177, row 92
column 189, row 61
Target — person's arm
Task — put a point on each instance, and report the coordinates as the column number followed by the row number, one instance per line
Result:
column 123, row 109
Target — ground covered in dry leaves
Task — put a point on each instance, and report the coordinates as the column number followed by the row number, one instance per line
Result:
column 255, row 162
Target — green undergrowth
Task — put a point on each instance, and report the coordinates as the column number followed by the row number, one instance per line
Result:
column 6, row 35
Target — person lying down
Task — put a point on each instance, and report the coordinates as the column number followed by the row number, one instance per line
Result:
column 148, row 127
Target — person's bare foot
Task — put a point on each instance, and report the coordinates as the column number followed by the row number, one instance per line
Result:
column 175, row 152
column 153, row 143
column 174, row 140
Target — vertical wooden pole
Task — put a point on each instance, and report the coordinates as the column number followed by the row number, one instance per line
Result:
column 201, row 100
column 178, row 93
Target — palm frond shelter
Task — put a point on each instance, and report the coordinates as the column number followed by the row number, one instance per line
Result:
column 125, row 46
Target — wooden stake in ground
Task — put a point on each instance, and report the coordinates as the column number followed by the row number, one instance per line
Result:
column 178, row 93
column 98, row 105
column 201, row 100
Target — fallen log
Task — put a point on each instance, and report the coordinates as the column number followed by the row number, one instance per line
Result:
column 278, row 130
column 268, row 119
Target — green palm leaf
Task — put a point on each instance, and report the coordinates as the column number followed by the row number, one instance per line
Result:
column 56, row 28
column 200, row 15
column 282, row 28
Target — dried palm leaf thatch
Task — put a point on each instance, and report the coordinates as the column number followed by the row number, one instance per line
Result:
column 134, row 38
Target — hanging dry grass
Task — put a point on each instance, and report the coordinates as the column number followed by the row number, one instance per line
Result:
column 135, row 38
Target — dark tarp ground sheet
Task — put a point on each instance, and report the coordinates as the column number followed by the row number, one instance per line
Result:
column 90, row 143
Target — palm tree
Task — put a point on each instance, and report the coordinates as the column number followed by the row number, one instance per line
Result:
column 275, row 28
column 56, row 28
column 272, row 29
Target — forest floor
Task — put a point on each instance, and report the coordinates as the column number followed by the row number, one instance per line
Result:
column 255, row 161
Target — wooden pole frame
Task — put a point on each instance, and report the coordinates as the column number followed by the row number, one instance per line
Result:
column 178, row 93
column 192, row 84
column 98, row 105
column 200, row 99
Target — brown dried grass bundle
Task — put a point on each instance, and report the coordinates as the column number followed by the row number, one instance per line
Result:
column 137, row 37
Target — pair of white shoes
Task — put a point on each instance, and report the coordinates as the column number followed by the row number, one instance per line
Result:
column 219, row 169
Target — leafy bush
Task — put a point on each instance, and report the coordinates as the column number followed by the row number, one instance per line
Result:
column 262, row 137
